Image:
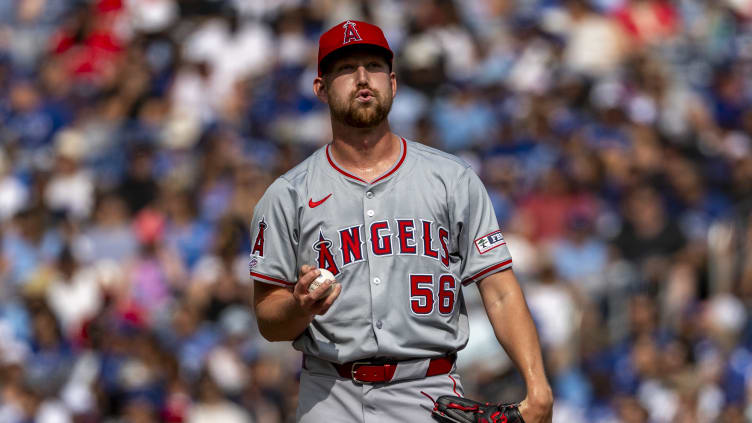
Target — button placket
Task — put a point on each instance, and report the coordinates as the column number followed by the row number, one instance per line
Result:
column 376, row 290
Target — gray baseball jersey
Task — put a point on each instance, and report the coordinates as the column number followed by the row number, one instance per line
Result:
column 402, row 247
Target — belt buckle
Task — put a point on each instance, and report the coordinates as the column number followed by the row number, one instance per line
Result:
column 354, row 368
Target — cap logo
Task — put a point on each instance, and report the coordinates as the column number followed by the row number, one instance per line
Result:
column 351, row 33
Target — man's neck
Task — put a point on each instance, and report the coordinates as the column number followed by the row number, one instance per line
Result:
column 368, row 152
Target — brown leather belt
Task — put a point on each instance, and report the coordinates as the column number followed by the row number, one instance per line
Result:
column 382, row 372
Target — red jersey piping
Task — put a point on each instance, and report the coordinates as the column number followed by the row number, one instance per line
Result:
column 350, row 175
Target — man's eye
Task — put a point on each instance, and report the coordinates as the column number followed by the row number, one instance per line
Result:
column 346, row 67
column 375, row 64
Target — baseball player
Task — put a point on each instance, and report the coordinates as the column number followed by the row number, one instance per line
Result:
column 402, row 228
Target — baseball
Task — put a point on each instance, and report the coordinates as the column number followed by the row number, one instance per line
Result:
column 324, row 276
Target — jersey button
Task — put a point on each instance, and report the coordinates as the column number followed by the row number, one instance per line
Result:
column 369, row 194
column 376, row 281
column 370, row 213
column 379, row 324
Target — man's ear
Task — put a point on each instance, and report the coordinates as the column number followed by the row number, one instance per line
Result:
column 319, row 89
column 393, row 80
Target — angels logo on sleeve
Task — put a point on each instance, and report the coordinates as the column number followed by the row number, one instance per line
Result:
column 258, row 244
column 488, row 242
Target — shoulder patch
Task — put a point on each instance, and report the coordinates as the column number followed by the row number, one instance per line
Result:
column 490, row 241
column 258, row 245
column 255, row 260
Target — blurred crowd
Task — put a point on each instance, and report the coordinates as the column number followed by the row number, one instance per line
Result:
column 137, row 135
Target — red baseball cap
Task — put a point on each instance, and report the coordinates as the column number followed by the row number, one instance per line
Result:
column 350, row 33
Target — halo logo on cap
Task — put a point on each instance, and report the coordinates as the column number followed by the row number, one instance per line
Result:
column 351, row 32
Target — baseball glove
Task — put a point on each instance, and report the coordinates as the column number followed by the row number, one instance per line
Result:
column 452, row 409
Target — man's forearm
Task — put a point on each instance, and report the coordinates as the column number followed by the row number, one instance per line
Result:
column 282, row 314
column 514, row 328
column 279, row 317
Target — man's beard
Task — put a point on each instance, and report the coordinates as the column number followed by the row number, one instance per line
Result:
column 358, row 115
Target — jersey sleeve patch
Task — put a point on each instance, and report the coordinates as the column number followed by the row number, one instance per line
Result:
column 490, row 241
column 255, row 261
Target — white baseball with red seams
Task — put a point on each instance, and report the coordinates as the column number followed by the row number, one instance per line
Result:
column 320, row 279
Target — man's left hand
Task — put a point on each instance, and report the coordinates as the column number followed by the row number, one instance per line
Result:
column 538, row 407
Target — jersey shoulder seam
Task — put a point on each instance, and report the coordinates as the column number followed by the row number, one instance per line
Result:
column 299, row 170
column 298, row 174
column 289, row 185
column 438, row 153
column 443, row 155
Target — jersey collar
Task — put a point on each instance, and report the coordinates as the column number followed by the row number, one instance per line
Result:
column 385, row 175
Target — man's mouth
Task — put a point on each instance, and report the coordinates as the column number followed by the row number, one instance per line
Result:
column 364, row 96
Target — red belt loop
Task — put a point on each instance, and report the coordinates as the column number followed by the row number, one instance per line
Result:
column 440, row 367
column 368, row 372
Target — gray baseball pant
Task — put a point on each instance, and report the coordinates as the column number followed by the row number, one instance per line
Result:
column 325, row 397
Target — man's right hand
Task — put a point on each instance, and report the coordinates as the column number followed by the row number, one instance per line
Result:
column 315, row 302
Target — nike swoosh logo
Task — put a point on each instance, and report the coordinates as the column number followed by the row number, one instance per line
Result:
column 313, row 204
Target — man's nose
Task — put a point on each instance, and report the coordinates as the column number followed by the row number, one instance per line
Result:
column 361, row 76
